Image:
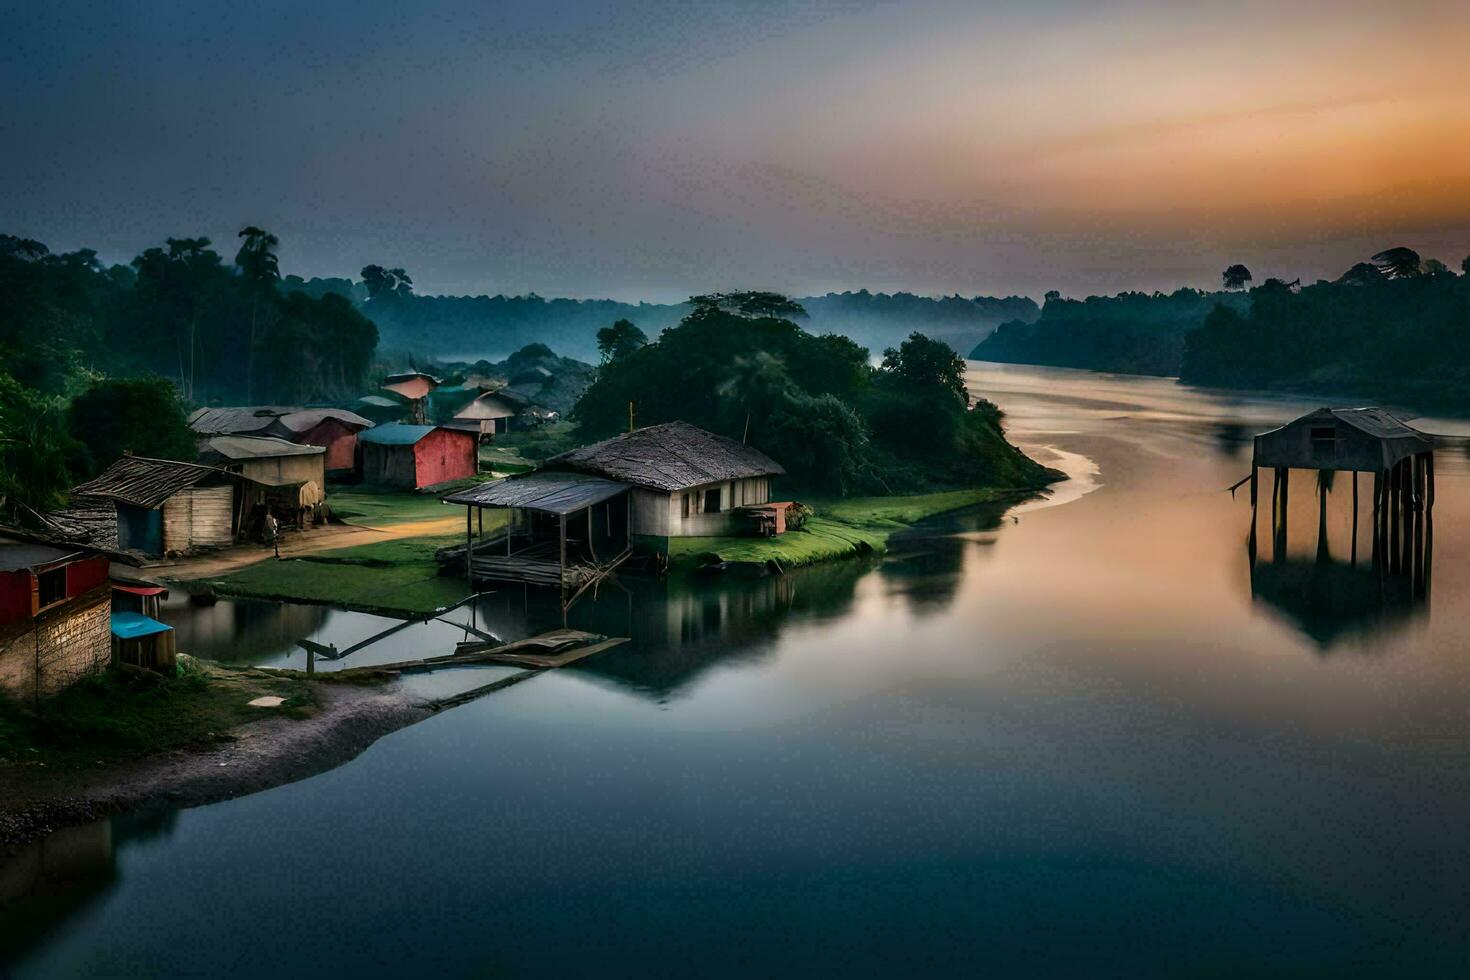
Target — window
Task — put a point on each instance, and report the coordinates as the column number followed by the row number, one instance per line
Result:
column 52, row 586
column 1324, row 440
column 712, row 500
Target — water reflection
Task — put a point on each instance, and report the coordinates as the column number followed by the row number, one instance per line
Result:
column 50, row 880
column 1379, row 582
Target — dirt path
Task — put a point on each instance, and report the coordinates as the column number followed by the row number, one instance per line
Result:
column 297, row 544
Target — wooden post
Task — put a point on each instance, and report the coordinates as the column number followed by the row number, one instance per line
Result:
column 591, row 548
column 562, row 534
column 469, row 548
column 1379, row 508
column 1251, row 544
column 1395, row 515
column 1355, row 519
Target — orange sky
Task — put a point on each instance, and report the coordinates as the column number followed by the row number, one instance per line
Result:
column 647, row 149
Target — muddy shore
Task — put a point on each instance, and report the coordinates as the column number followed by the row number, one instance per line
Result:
column 35, row 801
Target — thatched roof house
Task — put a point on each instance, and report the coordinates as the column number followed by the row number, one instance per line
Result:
column 165, row 506
column 685, row 480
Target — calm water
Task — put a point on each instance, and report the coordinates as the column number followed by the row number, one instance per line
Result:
column 1062, row 740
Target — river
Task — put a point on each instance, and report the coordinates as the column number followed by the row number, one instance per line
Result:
column 1076, row 737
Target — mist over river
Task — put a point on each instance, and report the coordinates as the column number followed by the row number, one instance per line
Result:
column 1075, row 736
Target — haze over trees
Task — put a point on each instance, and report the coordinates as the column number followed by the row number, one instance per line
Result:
column 814, row 402
column 493, row 326
column 200, row 330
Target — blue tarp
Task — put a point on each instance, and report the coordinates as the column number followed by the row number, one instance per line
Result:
column 131, row 625
column 396, row 434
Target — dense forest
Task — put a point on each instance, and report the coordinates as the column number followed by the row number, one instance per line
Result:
column 1132, row 333
column 473, row 327
column 96, row 360
column 814, row 402
column 1395, row 329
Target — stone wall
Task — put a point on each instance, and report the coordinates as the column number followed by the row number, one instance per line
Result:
column 60, row 648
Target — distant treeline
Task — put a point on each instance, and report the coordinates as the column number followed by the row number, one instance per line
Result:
column 219, row 330
column 1396, row 328
column 1400, row 335
column 491, row 326
column 97, row 361
column 1131, row 333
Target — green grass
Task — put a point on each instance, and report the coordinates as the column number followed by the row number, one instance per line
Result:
column 381, row 508
column 396, row 576
column 414, row 587
column 841, row 529
column 125, row 714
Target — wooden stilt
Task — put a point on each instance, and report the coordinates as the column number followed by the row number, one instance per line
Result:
column 1377, row 516
column 1355, row 520
column 469, row 548
column 1251, row 542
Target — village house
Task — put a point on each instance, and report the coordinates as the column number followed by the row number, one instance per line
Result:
column 584, row 512
column 486, row 411
column 684, row 480
column 380, row 408
column 164, row 506
column 415, row 456
column 55, row 616
column 334, row 429
column 277, row 477
column 414, row 388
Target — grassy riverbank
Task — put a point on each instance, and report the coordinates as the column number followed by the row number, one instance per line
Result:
column 841, row 528
column 120, row 715
column 397, row 576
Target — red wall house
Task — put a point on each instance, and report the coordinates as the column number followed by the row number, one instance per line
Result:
column 446, row 454
column 416, row 456
column 55, row 614
column 339, row 439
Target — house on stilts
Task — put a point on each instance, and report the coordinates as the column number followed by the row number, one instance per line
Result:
column 1397, row 458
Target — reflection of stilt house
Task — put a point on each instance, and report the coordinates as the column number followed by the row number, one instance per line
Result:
column 1356, row 441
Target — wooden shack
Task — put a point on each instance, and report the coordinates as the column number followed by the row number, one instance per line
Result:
column 414, row 388
column 1358, row 441
column 165, row 506
column 487, row 411
column 415, row 456
column 564, row 529
column 334, row 429
column 277, row 477
column 685, row 481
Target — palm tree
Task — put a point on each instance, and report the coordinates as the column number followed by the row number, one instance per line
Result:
column 258, row 264
column 1398, row 263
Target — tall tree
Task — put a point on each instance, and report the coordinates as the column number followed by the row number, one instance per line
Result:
column 386, row 284
column 619, row 340
column 257, row 262
column 141, row 416
column 1235, row 277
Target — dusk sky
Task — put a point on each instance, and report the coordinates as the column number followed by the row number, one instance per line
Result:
column 647, row 151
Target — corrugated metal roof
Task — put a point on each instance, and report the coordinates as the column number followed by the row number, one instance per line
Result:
column 551, row 493
column 671, row 456
column 396, row 434
column 16, row 554
column 145, row 482
column 379, row 401
column 257, row 447
column 272, row 419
